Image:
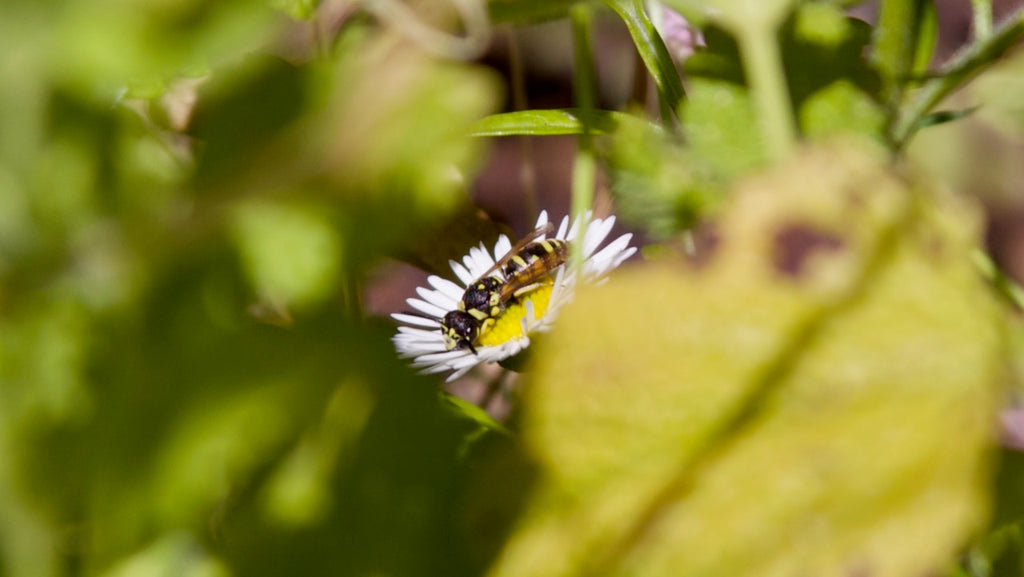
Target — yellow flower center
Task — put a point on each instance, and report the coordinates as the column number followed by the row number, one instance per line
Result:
column 508, row 325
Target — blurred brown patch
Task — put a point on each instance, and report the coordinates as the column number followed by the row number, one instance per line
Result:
column 796, row 243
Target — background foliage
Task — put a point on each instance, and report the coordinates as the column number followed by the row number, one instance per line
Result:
column 806, row 374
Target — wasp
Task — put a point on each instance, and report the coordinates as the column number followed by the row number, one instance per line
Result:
column 518, row 273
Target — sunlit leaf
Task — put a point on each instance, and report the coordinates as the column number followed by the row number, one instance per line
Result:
column 732, row 424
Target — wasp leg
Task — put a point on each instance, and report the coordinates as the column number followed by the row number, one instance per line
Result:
column 528, row 289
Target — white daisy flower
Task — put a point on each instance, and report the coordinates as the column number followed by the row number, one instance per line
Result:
column 420, row 336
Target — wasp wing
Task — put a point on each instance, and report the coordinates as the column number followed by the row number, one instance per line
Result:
column 532, row 236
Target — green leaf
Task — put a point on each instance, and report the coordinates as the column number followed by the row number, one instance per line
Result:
column 927, row 40
column 652, row 49
column 734, row 427
column 291, row 253
column 549, row 122
column 467, row 410
column 657, row 184
column 842, row 108
column 944, row 116
column 721, row 128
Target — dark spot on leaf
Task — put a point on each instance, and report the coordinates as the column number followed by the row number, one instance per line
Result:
column 796, row 243
column 855, row 198
column 861, row 569
column 935, row 248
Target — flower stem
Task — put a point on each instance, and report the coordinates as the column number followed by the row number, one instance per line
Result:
column 585, row 84
column 982, row 18
column 762, row 64
column 895, row 39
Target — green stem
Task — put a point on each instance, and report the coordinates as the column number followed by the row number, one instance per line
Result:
column 1004, row 284
column 982, row 19
column 762, row 64
column 955, row 73
column 895, row 41
column 585, row 83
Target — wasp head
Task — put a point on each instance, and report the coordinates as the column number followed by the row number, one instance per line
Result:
column 460, row 329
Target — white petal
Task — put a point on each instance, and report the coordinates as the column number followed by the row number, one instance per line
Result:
column 435, row 369
column 610, row 256
column 595, row 235
column 425, row 307
column 582, row 221
column 415, row 320
column 542, row 219
column 528, row 318
column 458, row 373
column 437, row 298
column 441, row 357
column 502, row 247
column 479, row 261
column 563, row 227
column 461, row 272
column 419, row 332
column 450, row 289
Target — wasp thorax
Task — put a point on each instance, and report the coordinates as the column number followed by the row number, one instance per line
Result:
column 483, row 298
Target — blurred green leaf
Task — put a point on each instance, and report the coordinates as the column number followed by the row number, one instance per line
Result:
column 720, row 127
column 105, row 47
column 549, row 122
column 290, row 252
column 529, row 11
column 658, row 185
column 842, row 108
column 302, row 9
column 175, row 550
column 746, row 411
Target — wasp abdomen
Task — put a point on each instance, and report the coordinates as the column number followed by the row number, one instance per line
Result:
column 531, row 264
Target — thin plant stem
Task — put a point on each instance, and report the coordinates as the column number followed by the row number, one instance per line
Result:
column 895, row 41
column 1003, row 283
column 762, row 64
column 982, row 20
column 961, row 67
column 585, row 84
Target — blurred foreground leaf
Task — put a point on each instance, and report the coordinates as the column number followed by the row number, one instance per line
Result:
column 817, row 398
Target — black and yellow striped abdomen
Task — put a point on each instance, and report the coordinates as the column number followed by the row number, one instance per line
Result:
column 530, row 265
